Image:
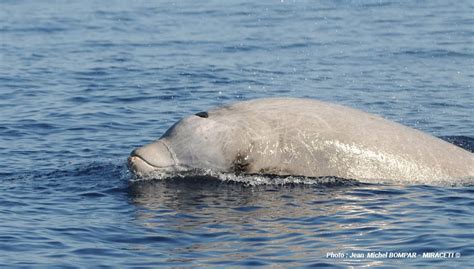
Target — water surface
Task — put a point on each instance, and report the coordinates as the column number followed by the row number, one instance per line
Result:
column 82, row 83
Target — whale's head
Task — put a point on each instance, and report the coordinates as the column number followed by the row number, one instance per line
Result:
column 200, row 141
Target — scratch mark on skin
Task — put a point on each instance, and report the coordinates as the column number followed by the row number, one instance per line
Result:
column 309, row 149
column 371, row 163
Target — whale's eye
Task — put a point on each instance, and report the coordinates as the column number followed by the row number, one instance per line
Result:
column 202, row 114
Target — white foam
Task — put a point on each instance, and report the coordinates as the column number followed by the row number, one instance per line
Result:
column 256, row 179
column 246, row 179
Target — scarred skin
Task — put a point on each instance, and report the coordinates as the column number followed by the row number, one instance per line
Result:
column 302, row 137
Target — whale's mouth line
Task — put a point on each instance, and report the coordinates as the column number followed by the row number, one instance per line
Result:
column 148, row 163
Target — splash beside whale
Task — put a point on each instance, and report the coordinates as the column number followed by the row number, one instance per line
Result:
column 302, row 137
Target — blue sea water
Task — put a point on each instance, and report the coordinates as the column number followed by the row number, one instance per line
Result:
column 82, row 83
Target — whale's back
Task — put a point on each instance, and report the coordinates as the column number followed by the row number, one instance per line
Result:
column 313, row 138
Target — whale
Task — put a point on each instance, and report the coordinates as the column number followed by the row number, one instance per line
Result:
column 301, row 137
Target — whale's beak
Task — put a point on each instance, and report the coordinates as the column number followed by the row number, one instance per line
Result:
column 152, row 157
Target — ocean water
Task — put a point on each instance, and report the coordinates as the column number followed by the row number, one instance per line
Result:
column 82, row 83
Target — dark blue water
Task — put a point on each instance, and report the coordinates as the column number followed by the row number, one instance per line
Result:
column 82, row 83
